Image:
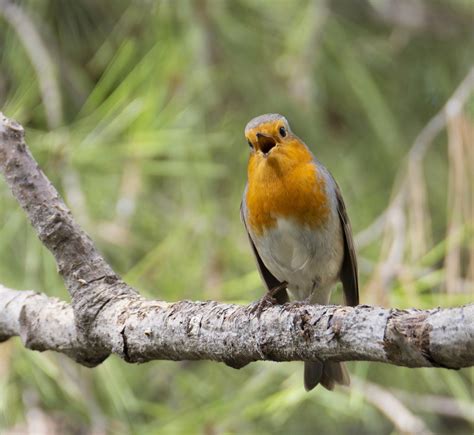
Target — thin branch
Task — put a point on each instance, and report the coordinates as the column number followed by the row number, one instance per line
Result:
column 88, row 277
column 40, row 59
column 421, row 144
column 442, row 405
column 451, row 109
column 402, row 418
column 107, row 316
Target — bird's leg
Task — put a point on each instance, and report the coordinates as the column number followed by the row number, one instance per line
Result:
column 268, row 299
column 308, row 299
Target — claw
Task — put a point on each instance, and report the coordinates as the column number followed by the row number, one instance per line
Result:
column 272, row 292
column 267, row 300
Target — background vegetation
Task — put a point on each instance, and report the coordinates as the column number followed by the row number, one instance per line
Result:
column 135, row 110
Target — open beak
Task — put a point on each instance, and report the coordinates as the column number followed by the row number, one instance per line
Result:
column 265, row 143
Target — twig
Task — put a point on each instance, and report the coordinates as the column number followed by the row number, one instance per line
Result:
column 422, row 142
column 40, row 59
column 401, row 417
column 442, row 405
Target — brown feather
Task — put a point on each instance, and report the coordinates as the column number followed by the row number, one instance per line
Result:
column 348, row 274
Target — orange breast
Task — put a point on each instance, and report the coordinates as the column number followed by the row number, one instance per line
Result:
column 285, row 184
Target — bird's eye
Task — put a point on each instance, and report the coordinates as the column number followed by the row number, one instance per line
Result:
column 282, row 131
column 250, row 143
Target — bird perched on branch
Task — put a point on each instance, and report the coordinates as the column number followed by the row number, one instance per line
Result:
column 298, row 228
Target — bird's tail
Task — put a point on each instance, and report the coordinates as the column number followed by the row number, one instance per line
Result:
column 327, row 374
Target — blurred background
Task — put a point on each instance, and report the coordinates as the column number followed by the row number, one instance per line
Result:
column 135, row 110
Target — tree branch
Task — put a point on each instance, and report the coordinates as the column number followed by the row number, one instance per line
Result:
column 140, row 330
column 107, row 316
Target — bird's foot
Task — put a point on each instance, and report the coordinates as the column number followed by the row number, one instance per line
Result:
column 267, row 300
column 272, row 292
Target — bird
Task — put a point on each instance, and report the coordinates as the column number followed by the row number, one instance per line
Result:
column 298, row 228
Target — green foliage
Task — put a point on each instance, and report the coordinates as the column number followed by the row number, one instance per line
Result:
column 150, row 156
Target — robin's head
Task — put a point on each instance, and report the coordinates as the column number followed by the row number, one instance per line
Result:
column 268, row 132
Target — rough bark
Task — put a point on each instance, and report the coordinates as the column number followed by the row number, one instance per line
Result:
column 107, row 316
column 140, row 330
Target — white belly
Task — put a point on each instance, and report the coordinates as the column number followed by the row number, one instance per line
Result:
column 308, row 259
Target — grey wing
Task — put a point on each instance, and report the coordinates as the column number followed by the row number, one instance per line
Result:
column 267, row 277
column 348, row 273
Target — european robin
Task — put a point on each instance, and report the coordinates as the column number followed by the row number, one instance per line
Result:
column 298, row 227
